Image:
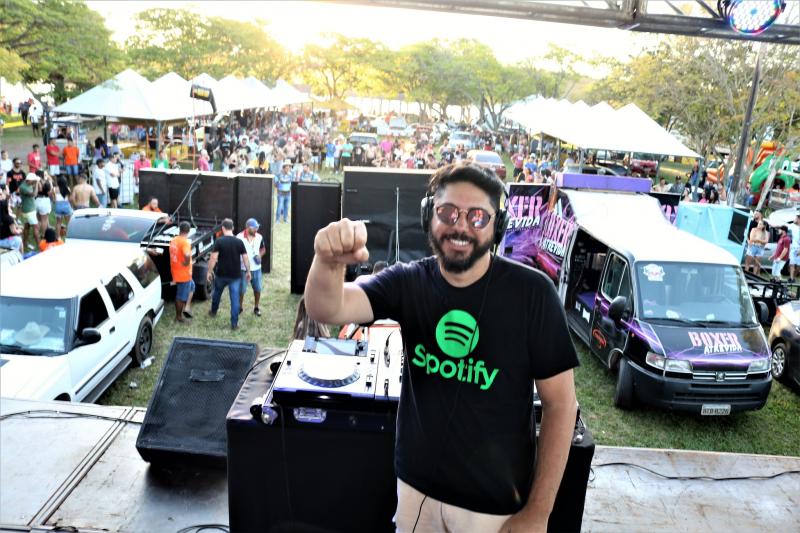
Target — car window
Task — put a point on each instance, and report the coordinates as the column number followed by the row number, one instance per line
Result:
column 92, row 311
column 144, row 270
column 488, row 158
column 110, row 228
column 120, row 291
column 615, row 274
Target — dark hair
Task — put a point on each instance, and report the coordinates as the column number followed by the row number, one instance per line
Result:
column 50, row 235
column 63, row 188
column 469, row 173
column 227, row 224
column 35, row 146
column 184, row 227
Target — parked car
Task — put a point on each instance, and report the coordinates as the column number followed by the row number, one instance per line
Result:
column 645, row 165
column 617, row 168
column 463, row 138
column 784, row 339
column 592, row 169
column 363, row 138
column 488, row 159
column 68, row 337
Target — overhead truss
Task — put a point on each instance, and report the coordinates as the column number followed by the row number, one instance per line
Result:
column 648, row 16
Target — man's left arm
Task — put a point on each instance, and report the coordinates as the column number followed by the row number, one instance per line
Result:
column 559, row 408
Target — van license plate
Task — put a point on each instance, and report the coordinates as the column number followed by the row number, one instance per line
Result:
column 715, row 409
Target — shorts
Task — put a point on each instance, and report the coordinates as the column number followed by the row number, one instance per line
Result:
column 255, row 280
column 55, row 170
column 43, row 205
column 777, row 266
column 113, row 194
column 63, row 208
column 13, row 242
column 755, row 250
column 314, row 159
column 72, row 170
column 30, row 218
column 794, row 255
column 183, row 290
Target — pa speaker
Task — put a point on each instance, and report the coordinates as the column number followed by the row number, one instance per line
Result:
column 185, row 420
column 254, row 200
column 314, row 206
column 388, row 201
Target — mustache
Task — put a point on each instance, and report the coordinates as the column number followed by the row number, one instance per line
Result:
column 460, row 237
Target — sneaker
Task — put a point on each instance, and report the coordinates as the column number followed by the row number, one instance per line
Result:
column 187, row 314
column 212, row 314
column 234, row 327
column 257, row 311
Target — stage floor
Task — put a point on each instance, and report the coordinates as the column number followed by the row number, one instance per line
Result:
column 76, row 465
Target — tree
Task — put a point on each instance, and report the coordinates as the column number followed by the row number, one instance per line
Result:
column 343, row 65
column 61, row 42
column 177, row 40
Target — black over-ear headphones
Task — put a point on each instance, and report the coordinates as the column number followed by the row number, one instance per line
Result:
column 426, row 215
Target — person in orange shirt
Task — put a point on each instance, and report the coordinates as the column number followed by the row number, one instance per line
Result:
column 180, row 263
column 50, row 240
column 71, row 157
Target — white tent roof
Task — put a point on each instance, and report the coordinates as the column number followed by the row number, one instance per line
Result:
column 126, row 95
column 627, row 129
column 285, row 94
column 175, row 90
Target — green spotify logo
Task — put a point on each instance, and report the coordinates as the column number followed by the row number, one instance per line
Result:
column 457, row 333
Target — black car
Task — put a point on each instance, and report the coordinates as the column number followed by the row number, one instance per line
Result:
column 784, row 339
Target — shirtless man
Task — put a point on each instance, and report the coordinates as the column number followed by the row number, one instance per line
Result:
column 82, row 193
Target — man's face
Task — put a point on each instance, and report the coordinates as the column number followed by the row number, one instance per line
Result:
column 458, row 247
column 154, row 203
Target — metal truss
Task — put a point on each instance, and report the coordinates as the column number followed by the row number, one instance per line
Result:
column 649, row 16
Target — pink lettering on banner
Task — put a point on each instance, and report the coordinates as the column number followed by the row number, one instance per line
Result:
column 695, row 338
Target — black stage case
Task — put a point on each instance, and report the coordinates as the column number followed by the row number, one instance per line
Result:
column 185, row 419
column 314, row 206
column 254, row 200
column 371, row 194
column 218, row 195
column 340, row 473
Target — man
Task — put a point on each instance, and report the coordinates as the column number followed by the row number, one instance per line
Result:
column 6, row 164
column 99, row 182
column 14, row 179
column 71, row 158
column 224, row 271
column 465, row 426
column 346, row 155
column 794, row 249
column 180, row 264
column 307, row 174
column 781, row 253
column 34, row 159
column 28, row 191
column 152, row 205
column 283, row 184
column 53, row 160
column 113, row 172
column 83, row 193
column 254, row 245
column 678, row 186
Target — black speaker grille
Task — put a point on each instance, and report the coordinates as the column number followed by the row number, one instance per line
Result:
column 198, row 384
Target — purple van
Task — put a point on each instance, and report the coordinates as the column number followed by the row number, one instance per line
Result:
column 669, row 312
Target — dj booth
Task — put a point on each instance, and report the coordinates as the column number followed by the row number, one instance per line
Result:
column 329, row 467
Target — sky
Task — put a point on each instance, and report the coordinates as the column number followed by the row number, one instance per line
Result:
column 294, row 24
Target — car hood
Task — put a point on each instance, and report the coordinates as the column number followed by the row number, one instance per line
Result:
column 706, row 348
column 31, row 377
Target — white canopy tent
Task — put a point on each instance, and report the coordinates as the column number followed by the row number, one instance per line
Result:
column 628, row 129
column 175, row 90
column 285, row 94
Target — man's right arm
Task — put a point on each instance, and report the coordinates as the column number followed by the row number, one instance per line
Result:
column 328, row 298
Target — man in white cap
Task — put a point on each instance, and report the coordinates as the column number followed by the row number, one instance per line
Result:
column 283, row 184
column 254, row 244
column 27, row 191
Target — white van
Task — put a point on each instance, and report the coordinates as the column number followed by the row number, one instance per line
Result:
column 73, row 318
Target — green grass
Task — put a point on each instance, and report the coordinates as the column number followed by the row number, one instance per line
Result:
column 772, row 430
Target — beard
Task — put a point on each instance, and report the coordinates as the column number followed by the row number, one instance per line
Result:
column 458, row 263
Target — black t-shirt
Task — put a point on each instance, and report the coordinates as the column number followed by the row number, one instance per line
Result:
column 230, row 253
column 465, row 426
column 14, row 178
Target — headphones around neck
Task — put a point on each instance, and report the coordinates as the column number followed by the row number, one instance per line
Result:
column 426, row 216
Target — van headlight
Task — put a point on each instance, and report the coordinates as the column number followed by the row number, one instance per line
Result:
column 669, row 365
column 759, row 365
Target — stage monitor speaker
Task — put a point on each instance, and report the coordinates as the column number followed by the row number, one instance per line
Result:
column 214, row 197
column 314, row 206
column 388, row 200
column 185, row 419
column 153, row 184
column 254, row 200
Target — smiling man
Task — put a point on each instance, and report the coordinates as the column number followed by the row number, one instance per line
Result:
column 478, row 330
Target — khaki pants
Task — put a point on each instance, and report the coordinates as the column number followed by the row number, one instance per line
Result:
column 436, row 516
